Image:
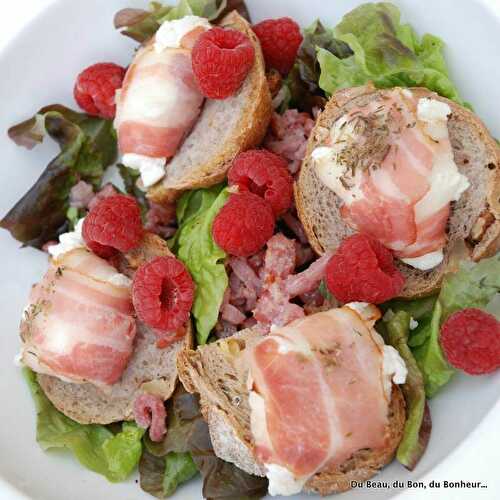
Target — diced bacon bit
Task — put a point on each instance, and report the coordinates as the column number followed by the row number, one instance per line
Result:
column 288, row 136
column 295, row 226
column 312, row 301
column 81, row 195
column 304, row 254
column 257, row 261
column 280, row 285
column 232, row 315
column 245, row 273
column 241, row 295
column 223, row 329
column 309, row 279
column 106, row 191
column 149, row 411
column 229, row 312
column 161, row 219
column 249, row 323
column 279, row 261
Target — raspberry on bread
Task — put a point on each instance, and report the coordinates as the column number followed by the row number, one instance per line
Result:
column 225, row 128
column 222, row 59
column 362, row 270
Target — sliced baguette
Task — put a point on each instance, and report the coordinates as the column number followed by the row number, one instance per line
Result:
column 150, row 370
column 475, row 217
column 212, row 372
column 224, row 129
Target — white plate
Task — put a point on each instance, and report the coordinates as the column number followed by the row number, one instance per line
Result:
column 39, row 68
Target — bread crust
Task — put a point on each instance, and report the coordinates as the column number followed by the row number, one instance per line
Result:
column 249, row 131
column 227, row 415
column 418, row 283
column 87, row 404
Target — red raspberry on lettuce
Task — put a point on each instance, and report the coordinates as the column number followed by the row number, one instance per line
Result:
column 222, row 59
column 243, row 225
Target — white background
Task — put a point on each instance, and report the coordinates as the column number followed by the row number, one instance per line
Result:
column 476, row 459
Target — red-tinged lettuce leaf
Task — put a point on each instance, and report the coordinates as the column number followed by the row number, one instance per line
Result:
column 141, row 25
column 184, row 421
column 230, row 5
column 151, row 472
column 302, row 81
column 188, row 433
column 88, row 146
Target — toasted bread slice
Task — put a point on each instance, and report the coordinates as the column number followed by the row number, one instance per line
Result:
column 475, row 217
column 225, row 128
column 150, row 369
column 221, row 383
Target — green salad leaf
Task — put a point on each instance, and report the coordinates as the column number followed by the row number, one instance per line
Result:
column 114, row 456
column 429, row 355
column 386, row 52
column 141, row 25
column 179, row 468
column 420, row 310
column 88, row 146
column 194, row 245
column 418, row 424
column 161, row 476
column 473, row 285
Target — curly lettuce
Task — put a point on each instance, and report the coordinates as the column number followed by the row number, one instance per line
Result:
column 141, row 25
column 88, row 147
column 385, row 52
column 194, row 245
column 115, row 456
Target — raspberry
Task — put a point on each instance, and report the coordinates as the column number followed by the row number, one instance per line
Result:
column 280, row 40
column 471, row 341
column 162, row 293
column 221, row 60
column 244, row 224
column 95, row 89
column 114, row 222
column 265, row 174
column 101, row 250
column 362, row 270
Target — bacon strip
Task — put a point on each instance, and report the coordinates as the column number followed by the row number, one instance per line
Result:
column 158, row 103
column 403, row 200
column 318, row 393
column 78, row 326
